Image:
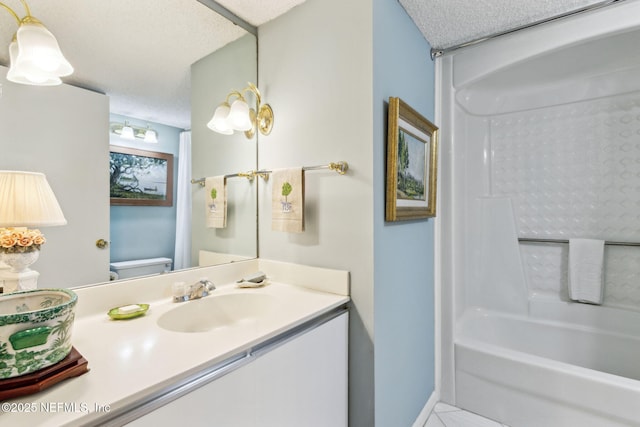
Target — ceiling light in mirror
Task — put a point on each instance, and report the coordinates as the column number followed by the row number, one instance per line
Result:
column 130, row 132
column 150, row 136
column 127, row 132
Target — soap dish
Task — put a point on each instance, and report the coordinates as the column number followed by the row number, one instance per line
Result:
column 128, row 311
column 247, row 284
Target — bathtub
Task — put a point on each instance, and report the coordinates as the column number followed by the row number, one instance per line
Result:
column 542, row 136
column 527, row 372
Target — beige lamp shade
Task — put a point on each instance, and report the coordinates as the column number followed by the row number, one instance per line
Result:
column 26, row 200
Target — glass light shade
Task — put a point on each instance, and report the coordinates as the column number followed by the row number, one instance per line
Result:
column 38, row 51
column 219, row 122
column 38, row 79
column 127, row 132
column 239, row 118
column 150, row 136
column 26, row 200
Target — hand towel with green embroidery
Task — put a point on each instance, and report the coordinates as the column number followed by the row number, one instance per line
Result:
column 216, row 201
column 287, row 203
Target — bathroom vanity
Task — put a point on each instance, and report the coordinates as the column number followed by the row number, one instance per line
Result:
column 273, row 355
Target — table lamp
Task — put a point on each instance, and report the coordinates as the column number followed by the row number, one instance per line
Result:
column 26, row 202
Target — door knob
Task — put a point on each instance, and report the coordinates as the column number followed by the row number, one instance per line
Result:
column 101, row 243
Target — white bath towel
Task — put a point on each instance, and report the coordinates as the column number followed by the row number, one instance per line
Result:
column 586, row 258
column 216, row 201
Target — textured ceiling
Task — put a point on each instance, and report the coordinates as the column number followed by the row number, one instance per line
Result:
column 139, row 51
column 257, row 12
column 447, row 23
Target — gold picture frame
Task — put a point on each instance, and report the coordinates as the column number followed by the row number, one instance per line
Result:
column 412, row 164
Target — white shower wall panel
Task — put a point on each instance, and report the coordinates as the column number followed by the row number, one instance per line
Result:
column 546, row 270
column 473, row 180
column 573, row 171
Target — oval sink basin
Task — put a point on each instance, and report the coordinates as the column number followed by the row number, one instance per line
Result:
column 217, row 311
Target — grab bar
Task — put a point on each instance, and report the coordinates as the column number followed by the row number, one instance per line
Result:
column 532, row 240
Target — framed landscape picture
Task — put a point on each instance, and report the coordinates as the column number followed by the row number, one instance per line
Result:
column 412, row 164
column 140, row 178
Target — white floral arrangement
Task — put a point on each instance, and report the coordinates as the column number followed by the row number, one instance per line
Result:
column 20, row 240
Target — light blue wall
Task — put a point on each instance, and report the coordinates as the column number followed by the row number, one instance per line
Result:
column 139, row 232
column 403, row 251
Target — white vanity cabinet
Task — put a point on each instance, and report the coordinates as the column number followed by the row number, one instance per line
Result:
column 301, row 381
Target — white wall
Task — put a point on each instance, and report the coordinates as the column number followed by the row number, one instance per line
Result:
column 315, row 69
column 63, row 131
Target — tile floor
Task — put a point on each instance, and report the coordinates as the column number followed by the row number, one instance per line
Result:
column 444, row 415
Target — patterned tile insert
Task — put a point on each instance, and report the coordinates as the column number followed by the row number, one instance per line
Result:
column 574, row 171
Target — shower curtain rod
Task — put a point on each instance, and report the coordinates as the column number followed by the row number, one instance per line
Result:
column 531, row 240
column 436, row 53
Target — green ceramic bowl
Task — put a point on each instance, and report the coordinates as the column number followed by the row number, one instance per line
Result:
column 35, row 329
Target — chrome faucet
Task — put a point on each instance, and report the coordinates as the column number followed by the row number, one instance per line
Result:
column 198, row 290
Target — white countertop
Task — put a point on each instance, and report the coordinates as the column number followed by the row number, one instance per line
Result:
column 132, row 359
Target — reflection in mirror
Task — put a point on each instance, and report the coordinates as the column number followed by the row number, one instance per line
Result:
column 153, row 64
column 216, row 154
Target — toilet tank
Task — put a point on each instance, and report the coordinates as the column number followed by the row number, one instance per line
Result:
column 141, row 267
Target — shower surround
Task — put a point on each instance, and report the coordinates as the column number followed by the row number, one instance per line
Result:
column 541, row 139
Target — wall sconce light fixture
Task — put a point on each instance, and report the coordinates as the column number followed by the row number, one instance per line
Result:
column 238, row 116
column 36, row 58
column 132, row 133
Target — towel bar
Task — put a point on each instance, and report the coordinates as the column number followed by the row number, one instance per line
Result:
column 532, row 240
column 340, row 167
column 250, row 175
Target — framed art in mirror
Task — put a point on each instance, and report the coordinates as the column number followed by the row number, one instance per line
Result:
column 139, row 177
column 412, row 164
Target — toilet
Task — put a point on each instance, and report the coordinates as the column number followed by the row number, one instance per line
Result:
column 140, row 267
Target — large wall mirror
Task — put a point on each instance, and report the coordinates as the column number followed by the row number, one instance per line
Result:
column 165, row 66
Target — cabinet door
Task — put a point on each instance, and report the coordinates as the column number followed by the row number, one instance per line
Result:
column 301, row 383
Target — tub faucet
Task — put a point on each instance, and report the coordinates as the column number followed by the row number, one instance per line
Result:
column 198, row 290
